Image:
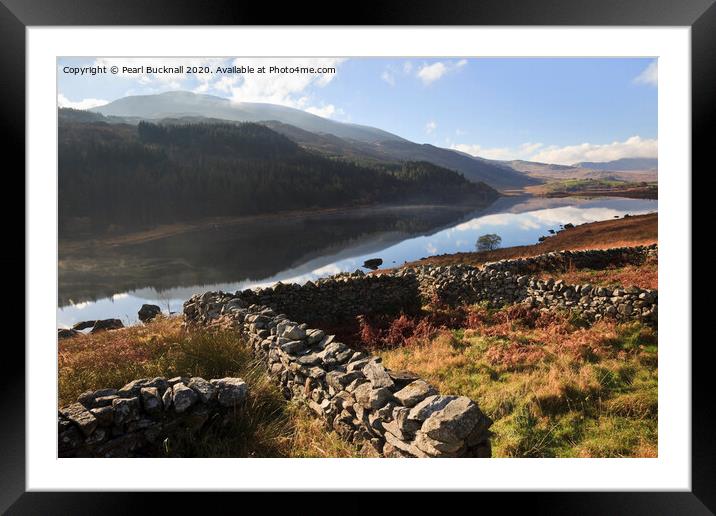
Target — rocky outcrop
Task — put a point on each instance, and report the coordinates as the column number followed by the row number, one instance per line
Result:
column 98, row 325
column 66, row 333
column 148, row 312
column 128, row 421
column 106, row 324
column 392, row 414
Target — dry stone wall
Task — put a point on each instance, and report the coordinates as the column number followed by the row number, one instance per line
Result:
column 396, row 414
column 509, row 281
column 338, row 297
column 588, row 259
column 405, row 290
column 127, row 422
column 392, row 414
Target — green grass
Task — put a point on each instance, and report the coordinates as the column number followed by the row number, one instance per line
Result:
column 553, row 389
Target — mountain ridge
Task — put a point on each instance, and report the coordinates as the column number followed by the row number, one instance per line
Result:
column 183, row 103
column 146, row 174
column 358, row 140
column 621, row 164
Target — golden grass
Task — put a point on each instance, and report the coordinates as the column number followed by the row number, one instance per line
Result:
column 552, row 387
column 268, row 426
column 624, row 232
column 642, row 276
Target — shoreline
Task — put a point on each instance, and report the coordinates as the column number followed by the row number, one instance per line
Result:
column 628, row 231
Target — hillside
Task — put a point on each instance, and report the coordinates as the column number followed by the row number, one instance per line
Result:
column 621, row 164
column 142, row 175
column 619, row 170
column 628, row 231
column 184, row 103
column 358, row 141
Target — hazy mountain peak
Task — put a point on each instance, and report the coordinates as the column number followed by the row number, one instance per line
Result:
column 176, row 104
column 358, row 141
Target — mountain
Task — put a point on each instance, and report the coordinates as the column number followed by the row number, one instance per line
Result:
column 546, row 172
column 641, row 164
column 535, row 166
column 337, row 138
column 176, row 104
column 474, row 169
column 129, row 176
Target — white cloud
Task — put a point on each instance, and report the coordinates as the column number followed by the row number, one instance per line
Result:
column 430, row 127
column 326, row 111
column 431, row 73
column 477, row 150
column 392, row 72
column 286, row 89
column 64, row 102
column 388, row 77
column 524, row 151
column 528, row 148
column 650, row 75
column 633, row 147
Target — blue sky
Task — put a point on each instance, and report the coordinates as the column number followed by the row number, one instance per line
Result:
column 558, row 110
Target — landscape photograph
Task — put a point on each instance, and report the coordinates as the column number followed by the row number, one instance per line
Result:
column 366, row 258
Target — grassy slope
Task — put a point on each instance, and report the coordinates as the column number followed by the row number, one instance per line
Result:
column 270, row 427
column 554, row 387
column 630, row 231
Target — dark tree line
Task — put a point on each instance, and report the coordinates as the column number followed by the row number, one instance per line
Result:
column 138, row 176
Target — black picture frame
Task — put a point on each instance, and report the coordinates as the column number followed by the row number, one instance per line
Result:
column 17, row 15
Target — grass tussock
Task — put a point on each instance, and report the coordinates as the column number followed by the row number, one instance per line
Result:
column 268, row 426
column 553, row 386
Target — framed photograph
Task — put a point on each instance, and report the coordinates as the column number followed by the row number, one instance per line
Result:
column 284, row 249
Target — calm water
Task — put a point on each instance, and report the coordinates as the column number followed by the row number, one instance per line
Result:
column 104, row 283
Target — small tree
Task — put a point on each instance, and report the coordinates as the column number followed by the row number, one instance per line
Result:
column 488, row 242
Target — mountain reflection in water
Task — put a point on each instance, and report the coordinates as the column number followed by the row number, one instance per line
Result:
column 103, row 282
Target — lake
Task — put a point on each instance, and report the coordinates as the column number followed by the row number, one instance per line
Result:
column 113, row 282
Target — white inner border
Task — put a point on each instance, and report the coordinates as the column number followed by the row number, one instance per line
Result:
column 671, row 470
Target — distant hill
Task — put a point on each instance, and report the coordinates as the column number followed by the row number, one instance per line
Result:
column 341, row 139
column 621, row 164
column 146, row 174
column 534, row 166
column 604, row 171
